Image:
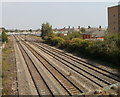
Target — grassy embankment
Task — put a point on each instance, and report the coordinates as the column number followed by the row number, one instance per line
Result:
column 9, row 74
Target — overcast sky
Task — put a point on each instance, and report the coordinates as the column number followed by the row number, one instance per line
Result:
column 31, row 15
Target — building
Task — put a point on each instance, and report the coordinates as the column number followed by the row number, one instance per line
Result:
column 114, row 19
column 96, row 35
column 66, row 30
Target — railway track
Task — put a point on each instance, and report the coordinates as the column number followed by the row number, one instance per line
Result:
column 85, row 65
column 84, row 70
column 96, row 76
column 69, row 86
column 115, row 77
column 39, row 83
column 79, row 61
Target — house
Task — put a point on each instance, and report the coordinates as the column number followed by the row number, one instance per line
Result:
column 86, row 35
column 65, row 30
column 96, row 35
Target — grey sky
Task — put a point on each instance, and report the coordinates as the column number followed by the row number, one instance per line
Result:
column 31, row 15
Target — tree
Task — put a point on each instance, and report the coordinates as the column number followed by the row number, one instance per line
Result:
column 46, row 30
column 30, row 30
column 83, row 30
column 89, row 27
column 72, row 35
column 16, row 30
column 100, row 27
column 4, row 36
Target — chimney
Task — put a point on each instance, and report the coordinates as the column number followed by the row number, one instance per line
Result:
column 99, row 28
column 73, row 28
column 89, row 27
column 78, row 27
column 68, row 27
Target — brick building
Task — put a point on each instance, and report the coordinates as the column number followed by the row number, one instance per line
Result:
column 114, row 19
column 96, row 35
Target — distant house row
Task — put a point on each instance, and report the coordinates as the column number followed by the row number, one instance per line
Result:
column 90, row 33
column 67, row 29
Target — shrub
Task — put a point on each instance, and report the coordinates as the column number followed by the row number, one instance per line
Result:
column 75, row 44
column 105, row 50
column 83, row 30
column 57, row 41
column 49, row 37
column 85, row 46
column 65, row 45
column 72, row 35
column 59, row 34
column 112, row 36
column 108, row 50
column 4, row 37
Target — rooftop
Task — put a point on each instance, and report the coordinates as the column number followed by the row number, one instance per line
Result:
column 97, row 33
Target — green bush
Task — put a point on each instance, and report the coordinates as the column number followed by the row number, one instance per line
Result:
column 59, row 34
column 107, row 50
column 76, row 44
column 84, row 47
column 112, row 36
column 72, row 35
column 49, row 37
column 57, row 41
column 4, row 37
column 79, row 45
